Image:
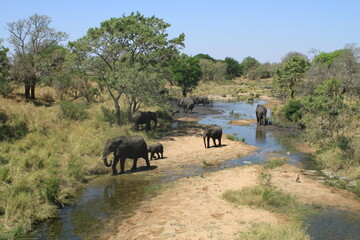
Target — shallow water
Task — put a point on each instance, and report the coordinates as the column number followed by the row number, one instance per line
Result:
column 108, row 200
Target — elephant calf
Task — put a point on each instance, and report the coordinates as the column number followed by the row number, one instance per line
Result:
column 156, row 148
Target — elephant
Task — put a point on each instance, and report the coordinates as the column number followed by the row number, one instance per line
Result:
column 261, row 114
column 214, row 132
column 156, row 148
column 201, row 100
column 187, row 103
column 124, row 147
column 144, row 118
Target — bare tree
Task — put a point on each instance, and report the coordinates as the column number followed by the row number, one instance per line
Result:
column 30, row 38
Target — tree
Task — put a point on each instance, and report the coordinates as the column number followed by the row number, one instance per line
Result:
column 30, row 38
column 5, row 86
column 342, row 64
column 187, row 72
column 249, row 63
column 205, row 56
column 212, row 71
column 289, row 76
column 120, row 47
column 234, row 68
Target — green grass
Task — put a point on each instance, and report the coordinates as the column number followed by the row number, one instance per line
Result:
column 275, row 162
column 293, row 231
column 274, row 201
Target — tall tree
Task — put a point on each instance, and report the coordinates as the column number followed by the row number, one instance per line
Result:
column 290, row 74
column 30, row 38
column 234, row 68
column 121, row 46
column 249, row 63
column 187, row 72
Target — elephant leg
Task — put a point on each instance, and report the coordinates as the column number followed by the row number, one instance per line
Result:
column 162, row 154
column 116, row 160
column 214, row 142
column 147, row 161
column 148, row 126
column 219, row 141
column 158, row 155
column 122, row 165
column 134, row 165
column 208, row 142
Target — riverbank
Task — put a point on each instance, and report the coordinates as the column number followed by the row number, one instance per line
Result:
column 193, row 208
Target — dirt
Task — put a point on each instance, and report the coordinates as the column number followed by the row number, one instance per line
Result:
column 193, row 207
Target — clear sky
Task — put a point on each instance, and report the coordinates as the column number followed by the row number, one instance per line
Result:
column 265, row 30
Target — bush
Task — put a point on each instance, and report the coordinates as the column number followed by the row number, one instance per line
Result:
column 292, row 110
column 73, row 111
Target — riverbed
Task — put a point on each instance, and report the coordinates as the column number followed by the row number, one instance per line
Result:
column 109, row 200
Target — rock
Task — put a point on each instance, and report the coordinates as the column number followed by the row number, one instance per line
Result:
column 344, row 179
column 329, row 174
column 310, row 172
column 352, row 184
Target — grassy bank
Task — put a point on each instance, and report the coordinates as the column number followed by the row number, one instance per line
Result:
column 45, row 157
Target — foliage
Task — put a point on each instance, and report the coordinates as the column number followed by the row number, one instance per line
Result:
column 31, row 39
column 234, row 68
column 187, row 72
column 122, row 46
column 212, row 71
column 293, row 110
column 205, row 56
column 262, row 71
column 73, row 110
column 249, row 63
column 289, row 76
column 341, row 64
column 5, row 84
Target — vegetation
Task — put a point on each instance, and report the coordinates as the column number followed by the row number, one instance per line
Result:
column 92, row 86
column 187, row 72
column 31, row 38
column 275, row 201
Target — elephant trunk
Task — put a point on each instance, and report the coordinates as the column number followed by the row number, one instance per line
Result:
column 155, row 121
column 104, row 157
column 204, row 140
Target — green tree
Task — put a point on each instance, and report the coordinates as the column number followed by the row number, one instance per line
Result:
column 289, row 76
column 212, row 71
column 234, row 68
column 30, row 38
column 249, row 63
column 5, row 84
column 187, row 72
column 205, row 56
column 112, row 52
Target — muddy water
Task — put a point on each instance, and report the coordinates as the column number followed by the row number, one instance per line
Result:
column 109, row 200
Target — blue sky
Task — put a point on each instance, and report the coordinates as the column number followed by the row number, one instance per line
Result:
column 265, row 30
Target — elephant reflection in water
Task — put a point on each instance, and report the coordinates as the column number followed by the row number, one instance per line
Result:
column 260, row 134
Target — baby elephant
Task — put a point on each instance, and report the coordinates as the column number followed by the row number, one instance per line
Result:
column 156, row 148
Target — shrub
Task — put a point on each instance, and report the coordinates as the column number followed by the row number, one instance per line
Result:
column 73, row 111
column 292, row 110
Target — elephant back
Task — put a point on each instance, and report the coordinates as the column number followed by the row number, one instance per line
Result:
column 136, row 146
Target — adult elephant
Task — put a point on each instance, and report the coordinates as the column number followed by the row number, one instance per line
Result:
column 261, row 114
column 124, row 147
column 144, row 118
column 214, row 133
column 187, row 103
column 201, row 100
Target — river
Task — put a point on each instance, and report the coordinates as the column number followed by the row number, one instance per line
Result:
column 110, row 199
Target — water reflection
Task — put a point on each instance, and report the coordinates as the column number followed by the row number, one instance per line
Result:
column 260, row 134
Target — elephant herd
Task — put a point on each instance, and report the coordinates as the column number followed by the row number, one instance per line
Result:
column 135, row 147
